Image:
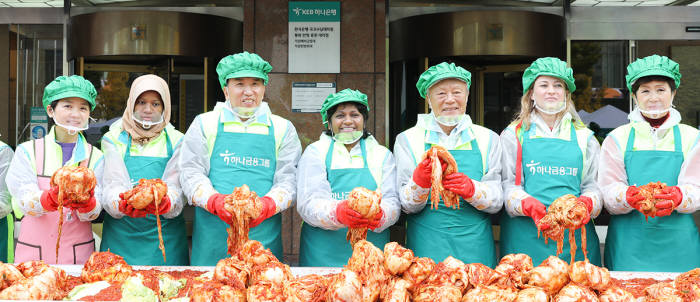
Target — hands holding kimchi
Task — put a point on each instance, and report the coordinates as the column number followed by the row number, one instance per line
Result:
column 49, row 200
column 438, row 171
column 150, row 196
column 353, row 219
column 360, row 212
column 537, row 210
column 217, row 206
column 654, row 199
column 566, row 212
column 72, row 187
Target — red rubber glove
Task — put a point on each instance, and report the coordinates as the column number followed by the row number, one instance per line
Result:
column 460, row 184
column 633, row 197
column 49, row 199
column 348, row 216
column 269, row 209
column 84, row 207
column 215, row 205
column 589, row 206
column 535, row 209
column 163, row 206
column 376, row 222
column 672, row 199
column 421, row 175
column 130, row 211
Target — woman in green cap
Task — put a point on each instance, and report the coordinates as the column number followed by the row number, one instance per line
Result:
column 464, row 233
column 653, row 147
column 144, row 145
column 346, row 156
column 68, row 101
column 547, row 153
column 239, row 143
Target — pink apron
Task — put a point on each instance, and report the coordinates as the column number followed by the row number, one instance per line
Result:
column 37, row 235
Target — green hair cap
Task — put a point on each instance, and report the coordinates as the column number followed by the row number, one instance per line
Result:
column 242, row 65
column 72, row 86
column 440, row 72
column 345, row 95
column 654, row 65
column 552, row 67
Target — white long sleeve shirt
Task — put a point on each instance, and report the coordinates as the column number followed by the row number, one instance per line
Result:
column 612, row 176
column 487, row 191
column 315, row 203
column 194, row 160
column 6, row 155
column 514, row 194
column 118, row 179
column 23, row 185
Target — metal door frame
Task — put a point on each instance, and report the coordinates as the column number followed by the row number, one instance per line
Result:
column 478, row 116
column 121, row 67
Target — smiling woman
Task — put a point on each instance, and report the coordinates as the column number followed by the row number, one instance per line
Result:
column 344, row 161
column 653, row 147
column 69, row 101
column 549, row 135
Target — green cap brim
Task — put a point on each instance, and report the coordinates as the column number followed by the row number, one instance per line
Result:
column 324, row 116
column 652, row 72
column 71, row 94
column 570, row 85
column 246, row 74
column 444, row 76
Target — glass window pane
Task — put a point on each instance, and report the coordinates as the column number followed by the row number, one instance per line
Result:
column 39, row 61
column 687, row 99
column 601, row 96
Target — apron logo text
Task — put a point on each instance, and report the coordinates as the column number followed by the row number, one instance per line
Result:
column 537, row 168
column 232, row 159
column 340, row 195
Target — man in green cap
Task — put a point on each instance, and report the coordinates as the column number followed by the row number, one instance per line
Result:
column 547, row 153
column 68, row 101
column 239, row 143
column 464, row 233
column 653, row 147
column 345, row 157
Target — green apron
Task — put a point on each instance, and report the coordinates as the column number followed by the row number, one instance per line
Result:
column 237, row 159
column 321, row 247
column 136, row 239
column 661, row 244
column 7, row 228
column 555, row 167
column 463, row 233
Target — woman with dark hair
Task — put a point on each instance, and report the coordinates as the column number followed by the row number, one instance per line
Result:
column 68, row 101
column 653, row 147
column 346, row 156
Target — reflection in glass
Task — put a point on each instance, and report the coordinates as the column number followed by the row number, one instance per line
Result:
column 601, row 95
column 39, row 60
column 502, row 93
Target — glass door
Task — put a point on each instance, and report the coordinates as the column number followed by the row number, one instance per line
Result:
column 113, row 83
column 497, row 96
column 38, row 61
